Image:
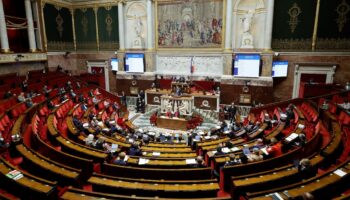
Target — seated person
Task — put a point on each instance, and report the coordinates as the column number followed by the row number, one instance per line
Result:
column 234, row 160
column 21, row 98
column 63, row 98
column 29, row 103
column 275, row 148
column 120, row 159
column 306, row 169
column 95, row 100
column 259, row 143
column 199, row 162
column 134, row 150
column 46, row 90
column 90, row 140
column 72, row 94
column 77, row 123
column 219, row 151
column 84, row 107
column 255, row 156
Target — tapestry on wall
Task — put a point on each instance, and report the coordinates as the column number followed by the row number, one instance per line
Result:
column 293, row 24
column 190, row 24
column 108, row 27
column 334, row 25
column 85, row 29
column 58, row 28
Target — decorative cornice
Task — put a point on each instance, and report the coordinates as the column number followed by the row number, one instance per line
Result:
column 22, row 57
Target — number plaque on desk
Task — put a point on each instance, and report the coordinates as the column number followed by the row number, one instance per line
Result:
column 245, row 98
column 134, row 90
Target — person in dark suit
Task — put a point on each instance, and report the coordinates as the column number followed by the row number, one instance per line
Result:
column 219, row 151
column 305, row 169
column 232, row 112
column 200, row 163
column 120, row 160
column 134, row 150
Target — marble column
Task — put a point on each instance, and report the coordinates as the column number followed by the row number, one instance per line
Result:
column 3, row 30
column 30, row 25
column 36, row 19
column 149, row 25
column 228, row 33
column 121, row 26
column 269, row 24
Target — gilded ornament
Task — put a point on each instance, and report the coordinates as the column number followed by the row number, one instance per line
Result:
column 85, row 23
column 59, row 22
column 342, row 9
column 294, row 13
column 109, row 22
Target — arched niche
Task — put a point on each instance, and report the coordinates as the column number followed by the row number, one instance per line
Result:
column 258, row 22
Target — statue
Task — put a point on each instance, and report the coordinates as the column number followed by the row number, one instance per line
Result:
column 139, row 40
column 247, row 37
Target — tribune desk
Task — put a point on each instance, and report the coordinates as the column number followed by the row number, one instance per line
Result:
column 172, row 123
column 207, row 101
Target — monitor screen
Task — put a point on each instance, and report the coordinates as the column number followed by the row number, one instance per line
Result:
column 246, row 65
column 279, row 69
column 134, row 62
column 114, row 64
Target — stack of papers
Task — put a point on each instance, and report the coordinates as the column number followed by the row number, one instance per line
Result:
column 14, row 174
column 143, row 161
column 191, row 161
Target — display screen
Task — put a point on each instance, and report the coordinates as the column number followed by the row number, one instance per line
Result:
column 246, row 65
column 134, row 62
column 279, row 69
column 114, row 64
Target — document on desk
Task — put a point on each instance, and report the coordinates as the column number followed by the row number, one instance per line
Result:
column 225, row 150
column 235, row 149
column 114, row 148
column 143, row 161
column 190, row 161
column 126, row 158
column 276, row 196
column 156, row 153
column 291, row 137
column 340, row 172
column 264, row 150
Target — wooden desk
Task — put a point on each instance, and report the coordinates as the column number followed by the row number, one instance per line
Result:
column 109, row 185
column 263, row 181
column 166, row 150
column 48, row 169
column 160, row 162
column 80, row 150
column 28, row 185
column 156, row 174
column 171, row 123
column 204, row 101
column 79, row 194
